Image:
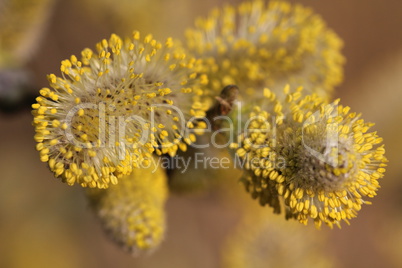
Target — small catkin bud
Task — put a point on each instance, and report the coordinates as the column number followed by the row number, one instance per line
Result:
column 132, row 212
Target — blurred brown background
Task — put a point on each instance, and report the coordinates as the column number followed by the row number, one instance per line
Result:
column 44, row 223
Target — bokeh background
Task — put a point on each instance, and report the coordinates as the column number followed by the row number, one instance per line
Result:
column 44, row 223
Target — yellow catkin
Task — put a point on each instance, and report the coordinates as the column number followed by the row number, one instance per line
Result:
column 261, row 240
column 323, row 167
column 254, row 45
column 95, row 120
column 132, row 212
column 22, row 25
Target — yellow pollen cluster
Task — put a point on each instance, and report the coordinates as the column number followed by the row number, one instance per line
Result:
column 255, row 46
column 132, row 212
column 114, row 107
column 319, row 158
